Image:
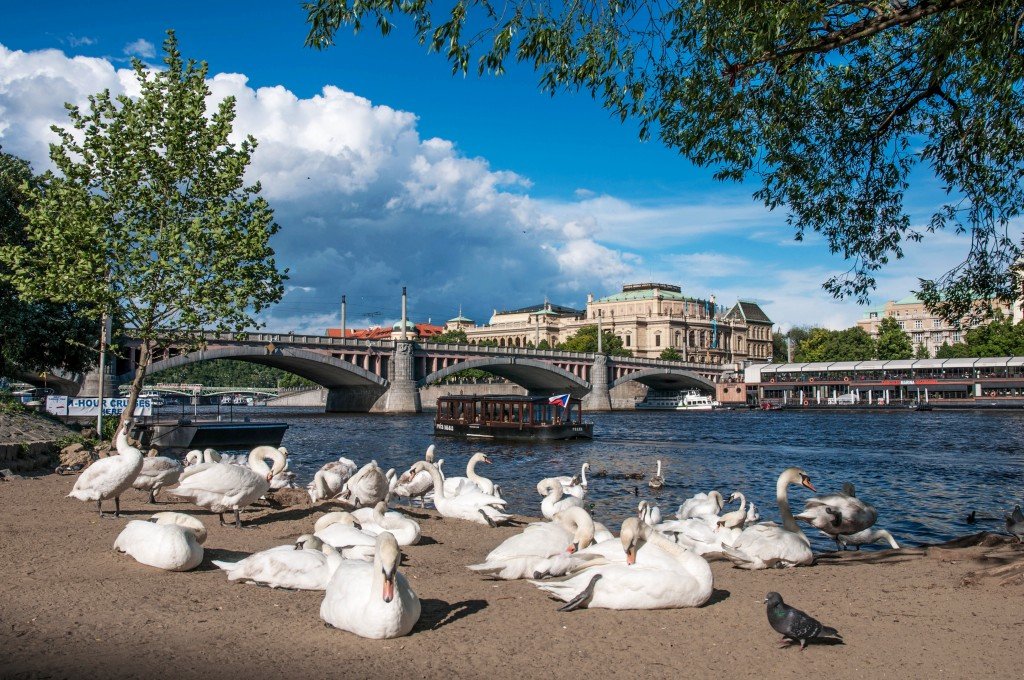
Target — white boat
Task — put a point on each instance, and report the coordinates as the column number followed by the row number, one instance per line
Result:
column 677, row 401
column 154, row 398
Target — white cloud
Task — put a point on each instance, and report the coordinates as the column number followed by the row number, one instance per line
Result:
column 78, row 41
column 140, row 48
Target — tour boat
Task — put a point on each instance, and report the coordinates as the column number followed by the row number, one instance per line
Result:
column 677, row 401
column 511, row 417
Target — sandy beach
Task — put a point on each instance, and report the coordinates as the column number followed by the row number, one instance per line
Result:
column 71, row 607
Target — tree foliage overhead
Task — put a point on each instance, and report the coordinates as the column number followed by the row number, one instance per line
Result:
column 893, row 343
column 829, row 104
column 41, row 335
column 148, row 216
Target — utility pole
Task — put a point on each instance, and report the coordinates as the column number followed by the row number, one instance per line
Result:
column 105, row 328
column 342, row 317
column 404, row 315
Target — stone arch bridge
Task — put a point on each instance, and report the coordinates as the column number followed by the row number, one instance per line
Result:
column 386, row 375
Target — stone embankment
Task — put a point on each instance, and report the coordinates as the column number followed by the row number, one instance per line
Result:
column 28, row 441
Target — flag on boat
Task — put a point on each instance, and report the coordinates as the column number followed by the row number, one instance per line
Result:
column 560, row 399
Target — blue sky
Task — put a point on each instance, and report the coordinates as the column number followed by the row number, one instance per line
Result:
column 479, row 192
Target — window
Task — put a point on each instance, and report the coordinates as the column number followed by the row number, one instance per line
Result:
column 936, row 323
column 657, row 340
column 955, row 336
column 872, row 315
column 900, row 323
column 918, row 325
column 627, row 341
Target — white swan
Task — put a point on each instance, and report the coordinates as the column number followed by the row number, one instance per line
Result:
column 330, row 478
column 768, row 545
column 571, row 486
column 372, row 600
column 736, row 518
column 555, row 500
column 472, row 481
column 521, row 555
column 368, row 486
column 110, row 477
column 649, row 514
column 474, row 506
column 156, row 473
column 308, row 565
column 285, row 479
column 171, row 547
column 752, row 514
column 377, row 519
column 839, row 513
column 223, row 488
column 343, row 531
column 181, row 519
column 701, row 504
column 866, row 537
column 657, row 481
column 655, row 574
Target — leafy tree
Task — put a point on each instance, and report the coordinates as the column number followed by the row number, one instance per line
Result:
column 41, row 335
column 148, row 217
column 456, row 336
column 796, row 335
column 922, row 352
column 851, row 344
column 543, row 344
column 957, row 350
column 892, row 342
column 831, row 105
column 1000, row 338
column 585, row 340
column 670, row 354
column 229, row 373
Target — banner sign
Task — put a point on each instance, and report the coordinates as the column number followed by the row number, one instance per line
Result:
column 90, row 406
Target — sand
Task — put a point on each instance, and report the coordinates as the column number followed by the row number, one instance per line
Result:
column 71, row 607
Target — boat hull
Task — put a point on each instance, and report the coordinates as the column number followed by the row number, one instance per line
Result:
column 182, row 436
column 514, row 432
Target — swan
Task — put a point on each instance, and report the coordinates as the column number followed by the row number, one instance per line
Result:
column 406, row 531
column 657, row 481
column 223, row 488
column 702, row 504
column 655, row 574
column 372, row 600
column 365, row 487
column 285, row 479
column 472, row 481
column 308, row 565
column 330, row 478
column 649, row 514
column 838, row 513
column 156, row 473
column 197, row 461
column 736, row 518
column 343, row 531
column 866, row 537
column 521, row 555
column 768, row 545
column 555, row 500
column 170, row 546
column 752, row 515
column 418, row 485
column 181, row 519
column 110, row 477
column 571, row 486
column 474, row 506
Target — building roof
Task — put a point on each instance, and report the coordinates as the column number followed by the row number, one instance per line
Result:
column 630, row 293
column 460, row 319
column 749, row 311
column 556, row 309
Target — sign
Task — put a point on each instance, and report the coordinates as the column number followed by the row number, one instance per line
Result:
column 90, row 406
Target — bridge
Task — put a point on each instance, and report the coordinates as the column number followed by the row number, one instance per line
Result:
column 386, row 375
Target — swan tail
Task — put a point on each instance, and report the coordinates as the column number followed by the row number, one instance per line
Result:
column 226, row 566
column 738, row 557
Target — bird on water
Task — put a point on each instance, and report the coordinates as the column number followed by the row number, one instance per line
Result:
column 793, row 624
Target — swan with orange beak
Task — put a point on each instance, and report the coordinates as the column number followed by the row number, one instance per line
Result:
column 372, row 600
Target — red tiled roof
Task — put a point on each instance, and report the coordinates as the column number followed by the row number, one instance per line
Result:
column 423, row 330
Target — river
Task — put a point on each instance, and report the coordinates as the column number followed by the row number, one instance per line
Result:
column 923, row 471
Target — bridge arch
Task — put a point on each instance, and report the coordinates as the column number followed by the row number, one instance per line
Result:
column 534, row 375
column 322, row 369
column 667, row 379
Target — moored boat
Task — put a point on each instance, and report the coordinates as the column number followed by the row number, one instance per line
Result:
column 511, row 417
column 692, row 400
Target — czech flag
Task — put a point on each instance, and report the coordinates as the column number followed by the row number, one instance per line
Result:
column 560, row 399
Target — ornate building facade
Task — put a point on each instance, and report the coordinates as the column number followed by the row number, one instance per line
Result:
column 648, row 317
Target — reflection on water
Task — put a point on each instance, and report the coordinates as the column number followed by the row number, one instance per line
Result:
column 924, row 472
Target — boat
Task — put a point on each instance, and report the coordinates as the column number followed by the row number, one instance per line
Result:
column 154, row 398
column 185, row 434
column 511, row 417
column 692, row 400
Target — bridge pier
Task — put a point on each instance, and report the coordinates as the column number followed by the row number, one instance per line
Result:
column 91, row 385
column 403, row 396
column 598, row 399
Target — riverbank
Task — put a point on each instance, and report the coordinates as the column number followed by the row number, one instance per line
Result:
column 73, row 608
column 28, row 441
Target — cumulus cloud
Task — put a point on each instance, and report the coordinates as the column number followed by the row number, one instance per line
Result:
column 140, row 48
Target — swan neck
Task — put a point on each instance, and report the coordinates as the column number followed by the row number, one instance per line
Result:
column 435, row 477
column 320, row 484
column 257, row 464
column 658, row 473
column 782, row 498
column 583, row 475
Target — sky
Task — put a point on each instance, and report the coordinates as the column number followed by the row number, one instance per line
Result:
column 479, row 193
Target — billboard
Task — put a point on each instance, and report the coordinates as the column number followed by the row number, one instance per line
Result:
column 90, row 406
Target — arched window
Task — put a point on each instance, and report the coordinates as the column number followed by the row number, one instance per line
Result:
column 657, row 339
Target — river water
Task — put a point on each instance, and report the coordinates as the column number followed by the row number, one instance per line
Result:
column 923, row 471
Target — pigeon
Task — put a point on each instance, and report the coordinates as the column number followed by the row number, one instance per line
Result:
column 794, row 625
column 971, row 518
column 1015, row 524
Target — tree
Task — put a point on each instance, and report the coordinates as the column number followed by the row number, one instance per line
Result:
column 922, row 352
column 795, row 335
column 456, row 336
column 585, row 340
column 148, row 217
column 831, row 105
column 41, row 335
column 543, row 344
column 892, row 342
column 670, row 354
column 851, row 344
column 1000, row 338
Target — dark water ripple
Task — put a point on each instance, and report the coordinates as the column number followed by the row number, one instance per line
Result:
column 924, row 472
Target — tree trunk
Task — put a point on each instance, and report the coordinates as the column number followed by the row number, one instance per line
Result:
column 140, row 375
